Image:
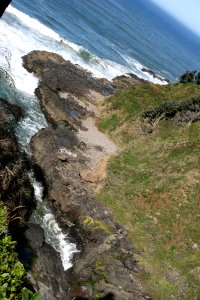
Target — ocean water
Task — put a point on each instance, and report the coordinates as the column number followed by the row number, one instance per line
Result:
column 107, row 37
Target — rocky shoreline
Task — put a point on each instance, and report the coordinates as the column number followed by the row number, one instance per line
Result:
column 17, row 194
column 72, row 155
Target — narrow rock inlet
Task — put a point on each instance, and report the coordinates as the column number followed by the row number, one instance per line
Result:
column 51, row 248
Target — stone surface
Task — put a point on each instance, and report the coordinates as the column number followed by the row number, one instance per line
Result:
column 35, row 235
column 72, row 156
column 47, row 273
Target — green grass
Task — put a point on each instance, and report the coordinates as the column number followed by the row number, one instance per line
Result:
column 152, row 185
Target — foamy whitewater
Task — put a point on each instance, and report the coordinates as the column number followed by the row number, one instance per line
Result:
column 21, row 34
column 33, row 121
column 53, row 233
column 27, row 34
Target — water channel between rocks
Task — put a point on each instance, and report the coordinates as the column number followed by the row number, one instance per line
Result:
column 33, row 121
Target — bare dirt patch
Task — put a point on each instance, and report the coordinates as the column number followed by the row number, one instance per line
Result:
column 99, row 149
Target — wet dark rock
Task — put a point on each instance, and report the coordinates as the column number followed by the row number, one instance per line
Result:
column 47, row 273
column 128, row 80
column 35, row 235
column 105, row 263
column 155, row 75
column 109, row 296
column 119, row 294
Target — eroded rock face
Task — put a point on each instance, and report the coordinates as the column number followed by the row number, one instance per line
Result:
column 71, row 154
column 15, row 188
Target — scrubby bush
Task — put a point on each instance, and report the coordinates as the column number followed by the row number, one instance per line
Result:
column 190, row 77
column 185, row 112
column 11, row 270
column 165, row 109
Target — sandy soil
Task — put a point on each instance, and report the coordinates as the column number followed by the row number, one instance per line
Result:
column 99, row 149
column 99, row 146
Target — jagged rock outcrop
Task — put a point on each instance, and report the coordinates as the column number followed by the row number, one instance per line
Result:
column 70, row 152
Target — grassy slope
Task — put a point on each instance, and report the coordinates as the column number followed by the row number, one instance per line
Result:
column 153, row 187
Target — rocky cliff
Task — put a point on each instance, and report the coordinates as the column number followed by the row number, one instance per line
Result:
column 72, row 155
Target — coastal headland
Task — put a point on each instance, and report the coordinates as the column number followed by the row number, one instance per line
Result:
column 72, row 155
column 118, row 162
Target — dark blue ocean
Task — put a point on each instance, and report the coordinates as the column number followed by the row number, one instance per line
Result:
column 109, row 37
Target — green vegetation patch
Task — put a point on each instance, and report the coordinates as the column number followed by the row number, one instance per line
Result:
column 153, row 185
column 131, row 103
column 12, row 273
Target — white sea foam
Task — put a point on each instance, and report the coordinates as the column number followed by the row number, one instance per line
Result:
column 137, row 69
column 33, row 23
column 19, row 44
column 39, row 27
column 34, row 35
column 52, row 231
